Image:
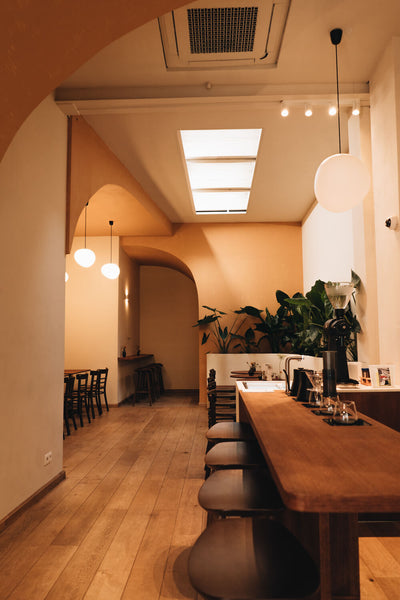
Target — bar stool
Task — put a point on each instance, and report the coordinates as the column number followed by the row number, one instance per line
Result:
column 234, row 455
column 239, row 492
column 158, row 373
column 229, row 431
column 144, row 385
column 252, row 559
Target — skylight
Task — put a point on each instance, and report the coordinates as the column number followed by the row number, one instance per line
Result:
column 220, row 165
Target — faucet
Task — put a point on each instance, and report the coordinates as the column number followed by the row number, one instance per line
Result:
column 286, row 370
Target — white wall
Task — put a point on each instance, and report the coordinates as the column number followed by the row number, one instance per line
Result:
column 327, row 246
column 91, row 314
column 32, row 214
column 168, row 311
column 385, row 133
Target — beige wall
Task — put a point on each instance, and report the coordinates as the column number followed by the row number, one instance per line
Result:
column 128, row 321
column 32, row 213
column 233, row 265
column 327, row 246
column 169, row 309
column 385, row 135
column 91, row 314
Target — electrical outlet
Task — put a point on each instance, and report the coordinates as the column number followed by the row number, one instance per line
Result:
column 48, row 457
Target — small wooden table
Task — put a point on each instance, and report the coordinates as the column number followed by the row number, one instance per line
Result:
column 326, row 475
column 75, row 371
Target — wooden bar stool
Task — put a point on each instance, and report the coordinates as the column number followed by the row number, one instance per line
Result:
column 234, row 455
column 239, row 492
column 144, row 384
column 229, row 431
column 252, row 559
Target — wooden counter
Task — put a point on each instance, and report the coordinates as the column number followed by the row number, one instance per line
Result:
column 326, row 475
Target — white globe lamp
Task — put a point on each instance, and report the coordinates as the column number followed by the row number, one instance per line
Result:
column 341, row 182
column 110, row 270
column 85, row 257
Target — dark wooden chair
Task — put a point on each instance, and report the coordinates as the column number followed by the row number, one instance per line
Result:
column 92, row 393
column 102, row 388
column 79, row 396
column 69, row 381
column 221, row 401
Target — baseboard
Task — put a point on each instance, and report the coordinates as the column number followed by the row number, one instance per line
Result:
column 182, row 392
column 17, row 512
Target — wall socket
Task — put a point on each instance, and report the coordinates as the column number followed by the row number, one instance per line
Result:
column 48, row 457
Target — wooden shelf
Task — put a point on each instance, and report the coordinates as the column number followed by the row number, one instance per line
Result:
column 134, row 357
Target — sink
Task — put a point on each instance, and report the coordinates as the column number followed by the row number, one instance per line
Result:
column 262, row 386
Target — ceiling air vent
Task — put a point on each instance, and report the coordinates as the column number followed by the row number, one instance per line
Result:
column 239, row 33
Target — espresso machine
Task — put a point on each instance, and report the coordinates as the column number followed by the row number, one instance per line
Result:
column 336, row 329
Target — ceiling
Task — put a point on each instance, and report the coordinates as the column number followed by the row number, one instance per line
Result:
column 137, row 105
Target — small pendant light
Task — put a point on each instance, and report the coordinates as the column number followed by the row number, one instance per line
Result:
column 85, row 257
column 110, row 270
column 342, row 180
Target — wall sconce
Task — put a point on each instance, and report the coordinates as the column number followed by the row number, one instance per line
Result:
column 332, row 110
column 66, row 276
column 110, row 270
column 308, row 111
column 356, row 108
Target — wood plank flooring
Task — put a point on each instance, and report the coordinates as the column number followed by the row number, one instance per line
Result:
column 121, row 525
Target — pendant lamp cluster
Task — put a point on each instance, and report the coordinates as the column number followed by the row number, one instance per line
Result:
column 342, row 180
column 86, row 257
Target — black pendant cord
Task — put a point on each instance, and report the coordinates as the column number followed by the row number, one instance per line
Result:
column 85, row 223
column 111, row 224
column 337, row 99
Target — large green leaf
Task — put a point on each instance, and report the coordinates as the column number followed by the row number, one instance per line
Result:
column 251, row 311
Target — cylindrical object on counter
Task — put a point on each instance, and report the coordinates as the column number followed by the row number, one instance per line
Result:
column 329, row 373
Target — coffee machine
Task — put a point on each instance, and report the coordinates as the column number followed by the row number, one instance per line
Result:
column 336, row 329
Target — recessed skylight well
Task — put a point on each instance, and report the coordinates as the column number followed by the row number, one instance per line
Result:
column 220, row 165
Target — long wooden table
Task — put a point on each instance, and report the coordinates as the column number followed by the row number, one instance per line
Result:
column 326, row 475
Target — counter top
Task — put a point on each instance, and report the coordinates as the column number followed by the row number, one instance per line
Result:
column 134, row 357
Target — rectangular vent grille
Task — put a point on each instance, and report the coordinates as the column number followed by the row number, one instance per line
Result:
column 221, row 30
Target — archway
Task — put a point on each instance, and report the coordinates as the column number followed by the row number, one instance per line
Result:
column 34, row 58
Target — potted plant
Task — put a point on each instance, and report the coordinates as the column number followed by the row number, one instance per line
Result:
column 222, row 337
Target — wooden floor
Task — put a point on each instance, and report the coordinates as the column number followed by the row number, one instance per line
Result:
column 122, row 523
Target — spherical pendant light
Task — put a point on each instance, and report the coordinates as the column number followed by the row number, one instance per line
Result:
column 85, row 257
column 110, row 270
column 342, row 181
